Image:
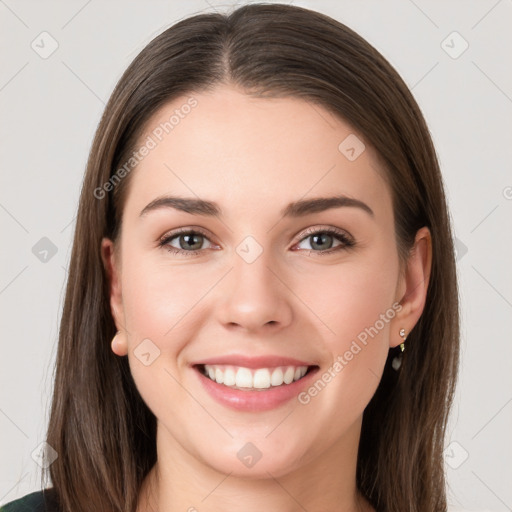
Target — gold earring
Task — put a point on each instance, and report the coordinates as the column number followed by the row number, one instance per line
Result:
column 402, row 333
column 397, row 361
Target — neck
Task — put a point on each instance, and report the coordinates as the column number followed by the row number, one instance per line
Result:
column 179, row 481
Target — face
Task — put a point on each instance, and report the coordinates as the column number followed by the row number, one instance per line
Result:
column 256, row 285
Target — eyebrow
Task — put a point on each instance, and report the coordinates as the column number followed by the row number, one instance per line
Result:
column 299, row 208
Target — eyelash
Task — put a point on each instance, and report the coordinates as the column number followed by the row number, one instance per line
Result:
column 347, row 242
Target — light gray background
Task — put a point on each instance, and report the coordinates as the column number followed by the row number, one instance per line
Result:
column 50, row 109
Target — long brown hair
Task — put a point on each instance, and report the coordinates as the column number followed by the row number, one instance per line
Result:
column 102, row 430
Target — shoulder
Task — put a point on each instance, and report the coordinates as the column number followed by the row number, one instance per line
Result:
column 39, row 501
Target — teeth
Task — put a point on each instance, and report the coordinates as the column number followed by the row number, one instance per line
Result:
column 243, row 377
column 229, row 377
column 262, row 378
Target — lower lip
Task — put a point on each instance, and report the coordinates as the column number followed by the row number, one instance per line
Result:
column 264, row 400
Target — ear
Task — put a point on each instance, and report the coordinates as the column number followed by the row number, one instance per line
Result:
column 413, row 286
column 112, row 264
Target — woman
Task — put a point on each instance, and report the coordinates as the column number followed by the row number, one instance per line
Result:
column 261, row 309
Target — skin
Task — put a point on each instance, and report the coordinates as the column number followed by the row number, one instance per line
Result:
column 253, row 156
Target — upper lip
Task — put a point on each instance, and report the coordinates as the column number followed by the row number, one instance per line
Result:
column 252, row 361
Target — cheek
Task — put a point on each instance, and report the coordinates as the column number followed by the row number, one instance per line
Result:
column 163, row 312
column 357, row 304
column 353, row 297
column 158, row 298
column 154, row 303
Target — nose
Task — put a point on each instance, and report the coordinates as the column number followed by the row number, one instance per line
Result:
column 254, row 296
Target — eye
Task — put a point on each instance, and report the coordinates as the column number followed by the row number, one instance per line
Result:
column 323, row 239
column 189, row 241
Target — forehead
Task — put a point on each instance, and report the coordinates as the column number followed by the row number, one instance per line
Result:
column 242, row 151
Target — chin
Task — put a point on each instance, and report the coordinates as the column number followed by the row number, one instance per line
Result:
column 250, row 462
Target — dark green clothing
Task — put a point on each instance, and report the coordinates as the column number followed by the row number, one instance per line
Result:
column 39, row 501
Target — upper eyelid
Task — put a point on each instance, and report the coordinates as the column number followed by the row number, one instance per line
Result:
column 181, row 231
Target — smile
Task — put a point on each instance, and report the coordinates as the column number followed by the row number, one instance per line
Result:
column 238, row 377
